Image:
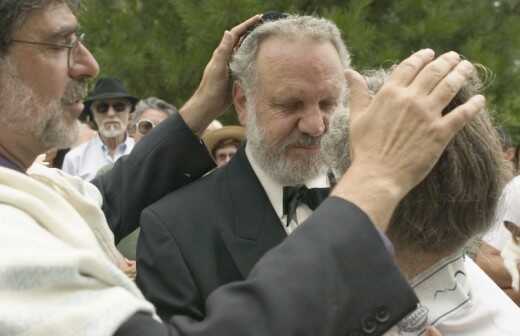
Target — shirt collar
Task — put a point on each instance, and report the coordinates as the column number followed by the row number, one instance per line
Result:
column 129, row 141
column 442, row 289
column 273, row 189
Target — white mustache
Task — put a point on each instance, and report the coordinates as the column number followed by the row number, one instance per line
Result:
column 110, row 123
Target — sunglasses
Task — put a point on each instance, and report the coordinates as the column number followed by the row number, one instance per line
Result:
column 144, row 126
column 103, row 107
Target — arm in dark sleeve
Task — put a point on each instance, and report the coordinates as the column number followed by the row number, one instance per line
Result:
column 163, row 276
column 332, row 276
column 166, row 159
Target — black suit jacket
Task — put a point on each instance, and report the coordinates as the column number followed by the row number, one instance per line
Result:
column 213, row 232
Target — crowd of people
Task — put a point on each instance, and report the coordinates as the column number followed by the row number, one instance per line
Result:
column 343, row 204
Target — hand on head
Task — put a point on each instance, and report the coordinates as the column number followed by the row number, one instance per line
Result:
column 401, row 131
column 397, row 136
column 213, row 96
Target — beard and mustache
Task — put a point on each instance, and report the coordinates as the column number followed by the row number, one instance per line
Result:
column 112, row 128
column 24, row 113
column 274, row 159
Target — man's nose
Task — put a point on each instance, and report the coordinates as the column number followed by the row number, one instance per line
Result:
column 313, row 122
column 85, row 65
column 111, row 111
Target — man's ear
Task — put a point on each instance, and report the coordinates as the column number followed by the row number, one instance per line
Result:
column 240, row 102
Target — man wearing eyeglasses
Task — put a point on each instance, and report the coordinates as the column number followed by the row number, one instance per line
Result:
column 149, row 113
column 108, row 109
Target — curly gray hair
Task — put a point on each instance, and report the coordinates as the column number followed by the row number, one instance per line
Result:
column 243, row 63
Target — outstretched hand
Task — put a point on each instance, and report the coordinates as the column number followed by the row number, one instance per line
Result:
column 213, row 96
column 397, row 136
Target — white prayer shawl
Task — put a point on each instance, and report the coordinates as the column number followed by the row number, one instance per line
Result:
column 58, row 273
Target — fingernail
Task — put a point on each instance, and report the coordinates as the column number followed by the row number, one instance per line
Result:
column 427, row 52
column 480, row 100
column 354, row 74
column 453, row 55
column 466, row 67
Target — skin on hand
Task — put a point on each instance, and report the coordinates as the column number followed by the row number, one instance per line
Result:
column 213, row 96
column 398, row 135
column 129, row 267
column 432, row 331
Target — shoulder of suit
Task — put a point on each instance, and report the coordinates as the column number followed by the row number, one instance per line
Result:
column 190, row 196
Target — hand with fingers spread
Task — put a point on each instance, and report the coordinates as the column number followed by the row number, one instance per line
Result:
column 397, row 136
column 213, row 96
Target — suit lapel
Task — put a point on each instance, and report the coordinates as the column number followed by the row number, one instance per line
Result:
column 256, row 227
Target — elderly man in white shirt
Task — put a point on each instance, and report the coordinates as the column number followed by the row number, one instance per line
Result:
column 108, row 109
column 434, row 222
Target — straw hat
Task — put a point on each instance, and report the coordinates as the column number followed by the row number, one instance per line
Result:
column 212, row 138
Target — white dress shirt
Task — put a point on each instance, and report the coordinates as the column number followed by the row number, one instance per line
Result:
column 86, row 159
column 458, row 298
column 274, row 191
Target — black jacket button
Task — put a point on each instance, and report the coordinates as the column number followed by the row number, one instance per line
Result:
column 369, row 325
column 382, row 314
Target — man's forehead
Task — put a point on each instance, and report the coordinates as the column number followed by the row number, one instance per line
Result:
column 154, row 113
column 296, row 82
column 55, row 18
column 298, row 55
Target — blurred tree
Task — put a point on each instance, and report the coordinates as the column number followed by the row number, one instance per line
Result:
column 160, row 47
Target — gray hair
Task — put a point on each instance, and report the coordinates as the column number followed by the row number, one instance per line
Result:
column 155, row 104
column 243, row 63
column 13, row 14
column 458, row 198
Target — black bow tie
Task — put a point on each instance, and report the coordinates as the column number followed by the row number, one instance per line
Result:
column 294, row 196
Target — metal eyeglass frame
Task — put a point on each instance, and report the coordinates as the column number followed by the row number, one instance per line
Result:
column 80, row 38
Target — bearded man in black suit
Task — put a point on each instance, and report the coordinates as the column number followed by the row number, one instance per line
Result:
column 289, row 83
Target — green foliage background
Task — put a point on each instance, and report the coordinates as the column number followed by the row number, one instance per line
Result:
column 160, row 47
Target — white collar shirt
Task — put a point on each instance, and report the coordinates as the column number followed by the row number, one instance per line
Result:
column 458, row 298
column 274, row 191
column 86, row 159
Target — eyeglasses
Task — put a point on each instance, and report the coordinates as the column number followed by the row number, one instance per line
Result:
column 72, row 48
column 144, row 126
column 102, row 107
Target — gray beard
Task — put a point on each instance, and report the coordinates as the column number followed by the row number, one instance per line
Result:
column 273, row 159
column 112, row 132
